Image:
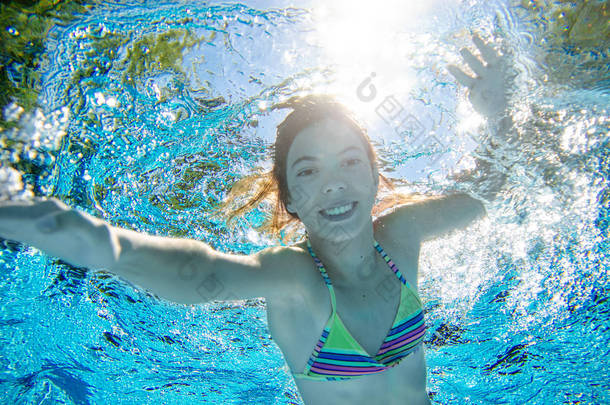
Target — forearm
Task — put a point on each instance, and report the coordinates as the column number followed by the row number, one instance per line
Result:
column 492, row 157
column 492, row 162
column 175, row 269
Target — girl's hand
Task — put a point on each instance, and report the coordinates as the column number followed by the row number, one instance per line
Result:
column 58, row 230
column 489, row 90
column 22, row 220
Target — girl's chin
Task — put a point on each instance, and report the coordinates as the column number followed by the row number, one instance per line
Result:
column 334, row 232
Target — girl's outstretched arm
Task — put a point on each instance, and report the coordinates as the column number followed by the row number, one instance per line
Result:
column 180, row 270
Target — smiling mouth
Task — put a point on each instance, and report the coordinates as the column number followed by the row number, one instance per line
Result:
column 339, row 213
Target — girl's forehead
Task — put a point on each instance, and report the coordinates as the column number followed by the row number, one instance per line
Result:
column 327, row 135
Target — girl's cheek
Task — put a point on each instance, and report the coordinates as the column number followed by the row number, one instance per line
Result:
column 302, row 196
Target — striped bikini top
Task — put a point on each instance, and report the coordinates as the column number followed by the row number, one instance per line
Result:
column 338, row 356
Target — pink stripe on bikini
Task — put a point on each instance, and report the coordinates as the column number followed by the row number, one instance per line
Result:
column 344, row 370
column 399, row 344
column 403, row 337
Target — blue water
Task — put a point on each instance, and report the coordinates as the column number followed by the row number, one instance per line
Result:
column 517, row 306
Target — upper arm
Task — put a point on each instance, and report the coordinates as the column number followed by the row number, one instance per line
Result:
column 247, row 276
column 191, row 272
column 435, row 216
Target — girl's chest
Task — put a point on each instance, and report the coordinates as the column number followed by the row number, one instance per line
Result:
column 367, row 308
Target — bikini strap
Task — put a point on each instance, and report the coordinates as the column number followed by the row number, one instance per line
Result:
column 391, row 264
column 320, row 266
column 379, row 249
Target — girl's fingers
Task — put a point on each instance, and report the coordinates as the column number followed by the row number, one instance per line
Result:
column 460, row 76
column 475, row 64
column 487, row 52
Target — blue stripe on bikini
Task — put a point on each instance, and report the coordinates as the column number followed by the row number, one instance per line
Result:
column 418, row 318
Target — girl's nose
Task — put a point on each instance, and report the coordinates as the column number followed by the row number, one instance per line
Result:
column 334, row 184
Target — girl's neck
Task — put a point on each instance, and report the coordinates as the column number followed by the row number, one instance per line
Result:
column 347, row 261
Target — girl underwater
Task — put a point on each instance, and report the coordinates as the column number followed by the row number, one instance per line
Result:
column 342, row 304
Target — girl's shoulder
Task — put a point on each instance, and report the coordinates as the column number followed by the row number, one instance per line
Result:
column 285, row 258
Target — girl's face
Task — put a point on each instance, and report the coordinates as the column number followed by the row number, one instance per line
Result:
column 331, row 183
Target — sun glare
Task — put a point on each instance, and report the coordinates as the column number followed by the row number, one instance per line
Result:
column 363, row 39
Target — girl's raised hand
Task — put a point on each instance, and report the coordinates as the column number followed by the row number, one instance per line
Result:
column 489, row 89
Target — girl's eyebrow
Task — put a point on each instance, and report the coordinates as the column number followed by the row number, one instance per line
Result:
column 312, row 158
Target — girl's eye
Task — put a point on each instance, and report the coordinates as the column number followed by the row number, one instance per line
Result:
column 349, row 162
column 305, row 172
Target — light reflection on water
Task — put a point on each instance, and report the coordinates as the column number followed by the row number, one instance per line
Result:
column 516, row 304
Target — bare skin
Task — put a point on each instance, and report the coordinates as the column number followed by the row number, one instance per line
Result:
column 335, row 171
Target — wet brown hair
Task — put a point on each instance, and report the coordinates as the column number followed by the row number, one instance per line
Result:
column 272, row 185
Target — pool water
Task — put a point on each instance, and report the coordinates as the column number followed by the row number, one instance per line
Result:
column 151, row 110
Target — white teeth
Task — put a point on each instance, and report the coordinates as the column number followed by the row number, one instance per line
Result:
column 338, row 210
